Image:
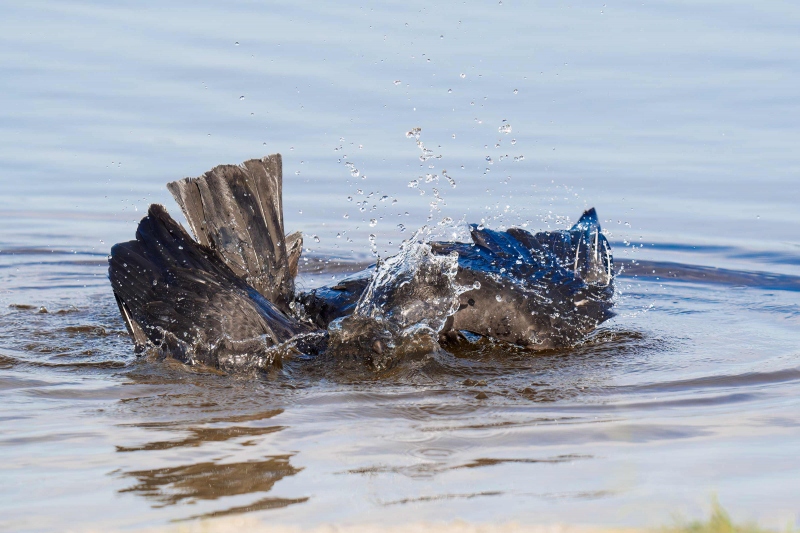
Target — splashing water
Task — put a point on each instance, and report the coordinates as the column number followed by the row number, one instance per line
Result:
column 406, row 304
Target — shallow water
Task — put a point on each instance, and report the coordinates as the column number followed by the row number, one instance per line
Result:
column 677, row 121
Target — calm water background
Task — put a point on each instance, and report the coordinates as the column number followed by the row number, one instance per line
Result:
column 676, row 120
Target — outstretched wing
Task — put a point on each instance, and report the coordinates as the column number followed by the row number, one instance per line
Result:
column 180, row 296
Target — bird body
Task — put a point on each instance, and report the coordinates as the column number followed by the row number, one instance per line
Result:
column 228, row 299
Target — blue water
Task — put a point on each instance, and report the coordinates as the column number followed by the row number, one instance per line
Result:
column 676, row 120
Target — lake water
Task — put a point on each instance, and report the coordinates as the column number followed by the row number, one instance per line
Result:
column 676, row 120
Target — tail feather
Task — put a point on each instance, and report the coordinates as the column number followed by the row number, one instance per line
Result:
column 294, row 246
column 237, row 211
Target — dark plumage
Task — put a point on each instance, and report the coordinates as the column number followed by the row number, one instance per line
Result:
column 540, row 290
column 228, row 299
column 178, row 296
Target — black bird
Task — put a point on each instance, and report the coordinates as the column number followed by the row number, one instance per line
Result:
column 227, row 299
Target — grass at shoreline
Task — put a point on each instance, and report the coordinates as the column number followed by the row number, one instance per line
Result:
column 719, row 522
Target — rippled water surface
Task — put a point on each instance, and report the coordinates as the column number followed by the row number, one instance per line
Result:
column 677, row 121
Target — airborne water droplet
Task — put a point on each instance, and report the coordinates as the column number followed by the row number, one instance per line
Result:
column 498, row 298
column 463, row 75
column 241, row 98
column 373, row 222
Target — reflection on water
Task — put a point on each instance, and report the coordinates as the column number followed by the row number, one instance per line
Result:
column 263, row 504
column 199, row 436
column 433, row 468
column 210, row 480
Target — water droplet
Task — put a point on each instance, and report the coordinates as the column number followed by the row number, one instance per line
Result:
column 401, row 227
column 489, row 159
column 498, row 298
column 236, row 43
column 241, row 98
column 180, row 247
column 515, row 91
column 397, row 82
column 155, row 282
column 449, row 91
column 415, row 132
column 413, row 184
column 463, row 75
column 513, row 141
column 316, row 238
column 373, row 222
column 505, row 128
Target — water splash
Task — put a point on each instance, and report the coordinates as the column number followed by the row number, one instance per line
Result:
column 406, row 304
